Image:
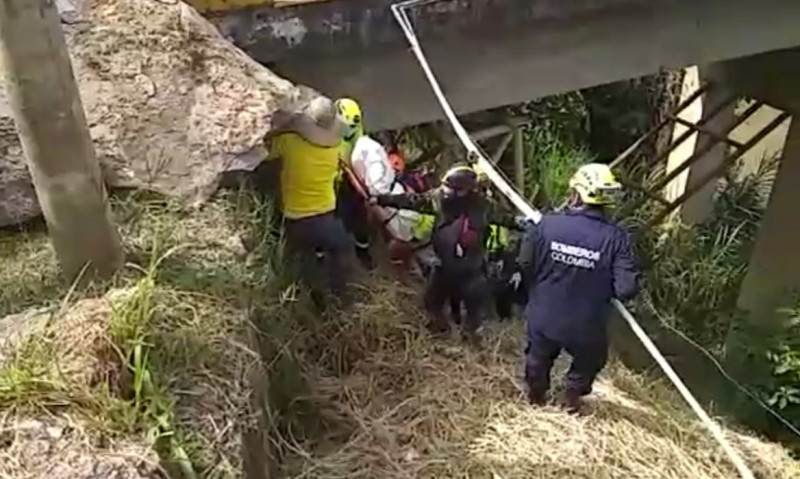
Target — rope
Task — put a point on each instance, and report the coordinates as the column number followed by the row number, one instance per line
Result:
column 399, row 11
column 722, row 370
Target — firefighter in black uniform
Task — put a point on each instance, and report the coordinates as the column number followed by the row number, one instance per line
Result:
column 575, row 262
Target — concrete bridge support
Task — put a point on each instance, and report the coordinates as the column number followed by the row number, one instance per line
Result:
column 773, row 273
column 702, row 111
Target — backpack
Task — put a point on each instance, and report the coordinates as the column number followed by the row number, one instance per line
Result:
column 458, row 240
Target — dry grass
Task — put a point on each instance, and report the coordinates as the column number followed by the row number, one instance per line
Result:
column 390, row 402
column 29, row 273
column 164, row 355
column 365, row 395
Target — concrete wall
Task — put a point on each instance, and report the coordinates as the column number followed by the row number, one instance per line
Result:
column 489, row 53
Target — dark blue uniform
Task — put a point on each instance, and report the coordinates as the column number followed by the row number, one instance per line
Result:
column 575, row 263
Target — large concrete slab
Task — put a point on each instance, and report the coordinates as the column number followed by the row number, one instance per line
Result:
column 489, row 53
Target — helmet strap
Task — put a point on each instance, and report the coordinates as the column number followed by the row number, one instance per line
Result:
column 574, row 200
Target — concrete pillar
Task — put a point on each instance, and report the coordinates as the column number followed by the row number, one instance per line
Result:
column 52, row 129
column 697, row 208
column 773, row 273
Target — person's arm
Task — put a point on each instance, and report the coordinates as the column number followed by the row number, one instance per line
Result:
column 527, row 251
column 267, row 174
column 625, row 269
column 498, row 215
column 421, row 203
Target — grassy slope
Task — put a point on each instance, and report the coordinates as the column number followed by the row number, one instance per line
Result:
column 365, row 395
column 175, row 335
column 381, row 398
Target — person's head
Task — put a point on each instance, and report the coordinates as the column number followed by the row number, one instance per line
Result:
column 316, row 122
column 594, row 185
column 322, row 111
column 460, row 182
column 350, row 115
column 397, row 161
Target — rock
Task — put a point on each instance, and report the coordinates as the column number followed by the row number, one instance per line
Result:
column 17, row 197
column 17, row 328
column 61, row 448
column 169, row 102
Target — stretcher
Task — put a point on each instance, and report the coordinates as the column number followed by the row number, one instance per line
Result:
column 371, row 173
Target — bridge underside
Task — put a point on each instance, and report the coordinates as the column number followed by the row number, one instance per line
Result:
column 490, row 53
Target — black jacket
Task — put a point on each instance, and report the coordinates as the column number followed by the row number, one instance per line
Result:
column 575, row 263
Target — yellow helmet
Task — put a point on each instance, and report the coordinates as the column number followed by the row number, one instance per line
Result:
column 595, row 184
column 350, row 114
column 483, row 178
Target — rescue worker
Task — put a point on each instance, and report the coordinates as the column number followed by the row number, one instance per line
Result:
column 500, row 256
column 462, row 217
column 305, row 148
column 575, row 262
column 501, row 262
column 350, row 205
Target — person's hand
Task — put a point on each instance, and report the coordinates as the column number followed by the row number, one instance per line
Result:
column 516, row 280
column 522, row 221
column 372, row 201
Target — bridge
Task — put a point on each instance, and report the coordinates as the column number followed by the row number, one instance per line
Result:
column 491, row 53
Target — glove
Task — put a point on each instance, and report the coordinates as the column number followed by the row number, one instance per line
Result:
column 522, row 221
column 515, row 280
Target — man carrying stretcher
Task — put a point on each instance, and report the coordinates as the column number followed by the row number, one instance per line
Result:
column 463, row 216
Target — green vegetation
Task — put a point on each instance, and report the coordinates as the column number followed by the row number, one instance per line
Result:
column 693, row 275
column 166, row 354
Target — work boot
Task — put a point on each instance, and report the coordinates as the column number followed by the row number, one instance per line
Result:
column 572, row 402
column 536, row 398
column 439, row 327
column 318, row 300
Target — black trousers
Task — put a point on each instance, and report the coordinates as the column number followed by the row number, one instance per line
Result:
column 352, row 209
column 588, row 359
column 502, row 266
column 444, row 287
column 321, row 248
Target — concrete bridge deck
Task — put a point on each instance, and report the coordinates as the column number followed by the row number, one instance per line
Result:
column 490, row 53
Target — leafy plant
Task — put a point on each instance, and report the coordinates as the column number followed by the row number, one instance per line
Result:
column 551, row 160
column 693, row 274
column 784, row 358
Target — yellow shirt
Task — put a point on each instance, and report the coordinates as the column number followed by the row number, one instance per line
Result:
column 307, row 175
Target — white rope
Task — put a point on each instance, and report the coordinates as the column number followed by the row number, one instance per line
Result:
column 722, row 370
column 486, row 166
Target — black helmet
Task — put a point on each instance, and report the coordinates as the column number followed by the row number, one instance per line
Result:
column 461, row 180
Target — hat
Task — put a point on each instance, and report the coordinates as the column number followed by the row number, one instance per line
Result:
column 317, row 122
